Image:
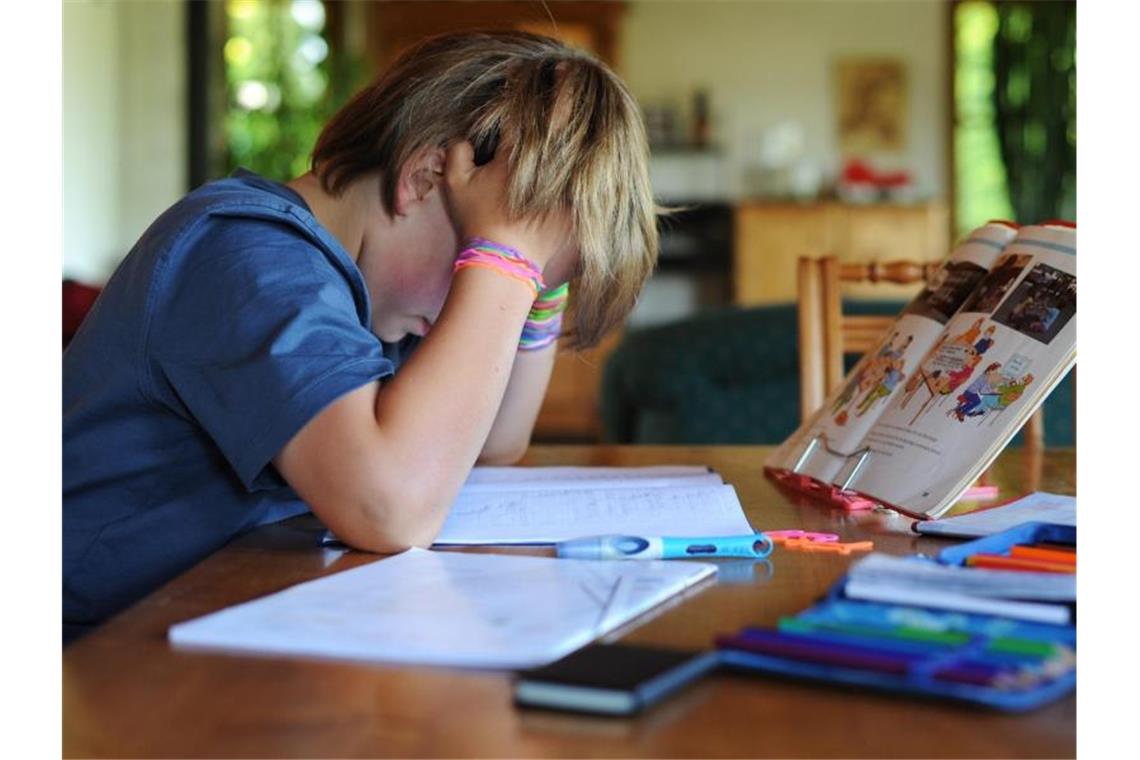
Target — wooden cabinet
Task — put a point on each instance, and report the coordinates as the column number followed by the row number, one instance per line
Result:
column 570, row 410
column 393, row 26
column 770, row 238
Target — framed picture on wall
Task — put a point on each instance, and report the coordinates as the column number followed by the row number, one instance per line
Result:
column 871, row 105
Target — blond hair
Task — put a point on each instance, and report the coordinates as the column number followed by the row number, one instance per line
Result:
column 576, row 141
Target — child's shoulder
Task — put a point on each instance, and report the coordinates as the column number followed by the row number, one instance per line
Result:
column 239, row 239
column 245, row 198
column 243, row 217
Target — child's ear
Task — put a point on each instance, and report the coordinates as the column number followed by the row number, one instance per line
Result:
column 422, row 174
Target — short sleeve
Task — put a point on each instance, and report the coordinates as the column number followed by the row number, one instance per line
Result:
column 254, row 332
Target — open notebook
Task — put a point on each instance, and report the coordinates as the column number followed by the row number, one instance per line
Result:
column 544, row 505
column 534, row 505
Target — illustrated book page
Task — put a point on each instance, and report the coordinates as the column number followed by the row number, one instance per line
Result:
column 997, row 360
column 852, row 409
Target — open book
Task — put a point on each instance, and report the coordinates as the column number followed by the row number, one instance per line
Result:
column 959, row 372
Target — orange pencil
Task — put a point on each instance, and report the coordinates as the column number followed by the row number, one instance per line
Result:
column 1049, row 555
column 999, row 562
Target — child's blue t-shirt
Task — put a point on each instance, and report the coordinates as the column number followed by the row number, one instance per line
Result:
column 235, row 319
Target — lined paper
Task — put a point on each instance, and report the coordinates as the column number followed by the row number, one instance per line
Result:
column 560, row 474
column 548, row 515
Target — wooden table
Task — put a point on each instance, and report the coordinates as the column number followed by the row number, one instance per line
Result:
column 127, row 693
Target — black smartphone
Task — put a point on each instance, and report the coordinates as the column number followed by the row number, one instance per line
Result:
column 611, row 679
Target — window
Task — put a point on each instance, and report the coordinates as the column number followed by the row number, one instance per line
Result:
column 1015, row 111
column 279, row 93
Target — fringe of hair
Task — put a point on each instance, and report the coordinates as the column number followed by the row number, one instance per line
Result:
column 575, row 133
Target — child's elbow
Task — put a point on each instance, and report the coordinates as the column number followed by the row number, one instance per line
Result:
column 503, row 454
column 390, row 521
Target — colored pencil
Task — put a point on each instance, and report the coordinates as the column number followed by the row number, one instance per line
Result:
column 816, row 650
column 892, row 616
column 1059, row 556
column 1002, row 562
column 996, row 645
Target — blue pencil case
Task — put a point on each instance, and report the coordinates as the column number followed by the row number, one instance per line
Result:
column 998, row 662
column 999, row 543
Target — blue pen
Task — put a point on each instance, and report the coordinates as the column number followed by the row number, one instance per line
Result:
column 754, row 545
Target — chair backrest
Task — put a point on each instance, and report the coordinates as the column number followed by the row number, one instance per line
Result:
column 826, row 333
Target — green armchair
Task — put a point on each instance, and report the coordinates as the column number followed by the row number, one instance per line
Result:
column 731, row 376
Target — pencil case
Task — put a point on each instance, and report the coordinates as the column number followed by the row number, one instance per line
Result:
column 996, row 662
column 1000, row 543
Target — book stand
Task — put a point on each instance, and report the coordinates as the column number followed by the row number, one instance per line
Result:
column 837, row 496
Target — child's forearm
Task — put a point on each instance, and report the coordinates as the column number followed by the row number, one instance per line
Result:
column 382, row 467
column 510, row 433
column 437, row 412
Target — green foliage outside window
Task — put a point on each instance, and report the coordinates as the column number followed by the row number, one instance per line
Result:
column 278, row 66
column 980, row 177
column 1035, row 97
column 1015, row 111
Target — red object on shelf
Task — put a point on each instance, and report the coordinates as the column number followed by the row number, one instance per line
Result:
column 857, row 172
column 893, row 179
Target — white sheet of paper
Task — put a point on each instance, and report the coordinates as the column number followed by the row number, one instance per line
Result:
column 919, row 575
column 548, row 475
column 885, row 593
column 1036, row 507
column 447, row 608
column 547, row 516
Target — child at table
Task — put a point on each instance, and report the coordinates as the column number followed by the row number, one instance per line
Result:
column 355, row 340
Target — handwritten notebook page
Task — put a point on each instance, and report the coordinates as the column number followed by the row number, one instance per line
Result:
column 551, row 475
column 541, row 505
column 446, row 608
column 549, row 515
column 704, row 479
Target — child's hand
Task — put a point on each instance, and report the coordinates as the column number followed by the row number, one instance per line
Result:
column 477, row 199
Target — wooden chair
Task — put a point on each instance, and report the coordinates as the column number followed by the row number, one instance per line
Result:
column 826, row 334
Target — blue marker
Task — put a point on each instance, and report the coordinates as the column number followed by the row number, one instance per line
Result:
column 754, row 545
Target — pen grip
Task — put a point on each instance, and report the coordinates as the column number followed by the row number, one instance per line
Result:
column 756, row 546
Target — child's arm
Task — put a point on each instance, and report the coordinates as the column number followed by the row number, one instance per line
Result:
column 381, row 468
column 511, row 431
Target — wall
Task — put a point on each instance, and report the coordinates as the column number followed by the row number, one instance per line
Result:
column 763, row 63
column 767, row 62
column 90, row 139
column 124, row 130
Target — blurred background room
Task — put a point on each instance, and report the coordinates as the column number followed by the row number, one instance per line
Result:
column 864, row 130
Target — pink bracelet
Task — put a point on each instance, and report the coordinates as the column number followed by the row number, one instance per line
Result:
column 478, row 252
